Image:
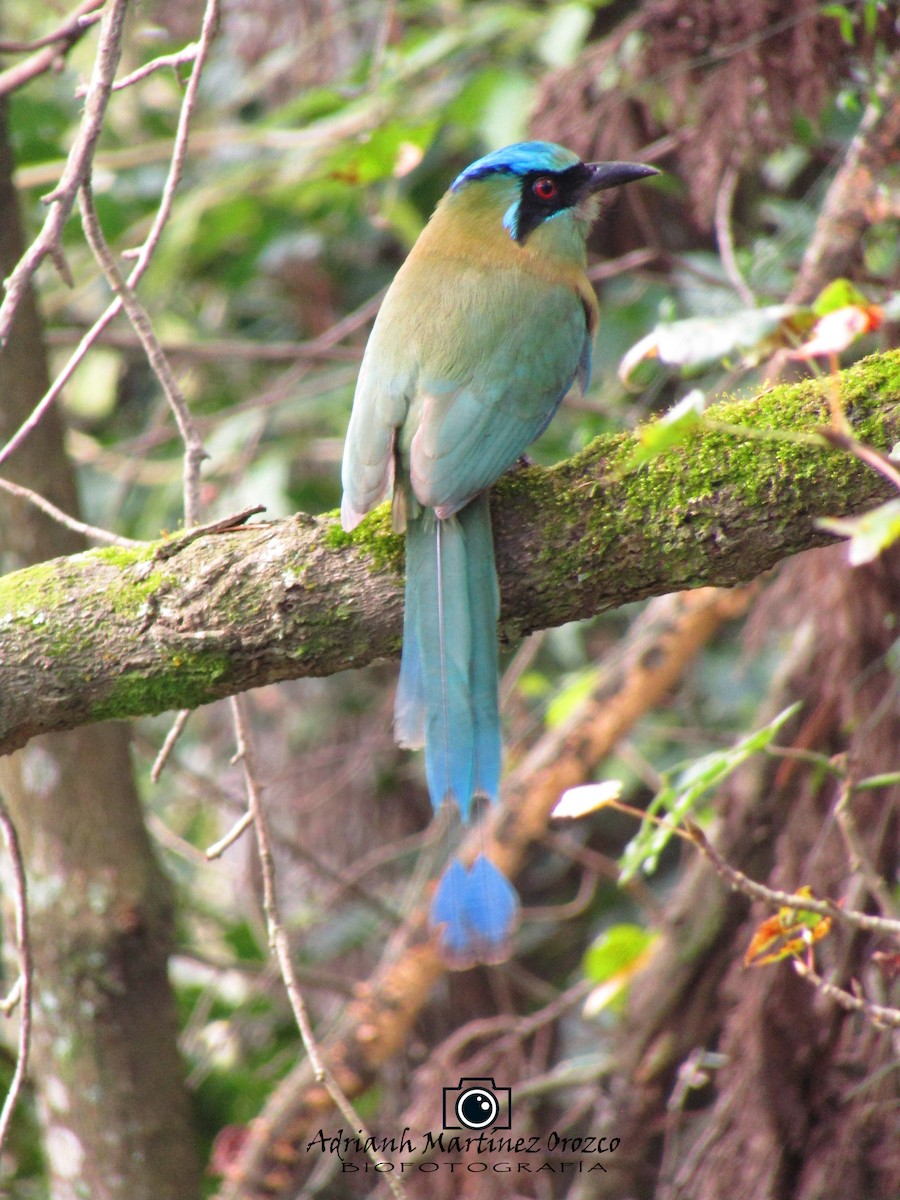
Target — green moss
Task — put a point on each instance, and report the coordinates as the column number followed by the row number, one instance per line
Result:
column 126, row 556
column 777, row 450
column 758, row 452
column 185, row 681
column 32, row 590
column 374, row 536
column 334, row 535
column 37, row 595
column 129, row 597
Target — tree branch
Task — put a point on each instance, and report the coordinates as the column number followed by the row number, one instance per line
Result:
column 50, row 50
column 78, row 166
column 122, row 632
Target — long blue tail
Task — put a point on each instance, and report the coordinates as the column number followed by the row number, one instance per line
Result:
column 447, row 699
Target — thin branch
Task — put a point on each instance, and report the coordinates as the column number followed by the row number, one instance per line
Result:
column 180, row 58
column 173, row 842
column 873, row 458
column 169, row 744
column 12, row 997
column 23, row 950
column 278, row 939
column 217, row 349
column 174, row 545
column 217, row 849
column 382, row 39
column 48, row 242
column 846, row 213
column 859, row 859
column 777, row 899
column 346, row 880
column 208, row 31
column 89, row 531
column 879, row 1014
column 611, row 268
column 725, row 237
column 71, row 28
column 50, row 49
column 194, row 454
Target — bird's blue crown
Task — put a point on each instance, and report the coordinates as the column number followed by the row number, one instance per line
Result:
column 518, row 159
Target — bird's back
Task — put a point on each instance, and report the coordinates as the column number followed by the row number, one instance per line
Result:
column 476, row 344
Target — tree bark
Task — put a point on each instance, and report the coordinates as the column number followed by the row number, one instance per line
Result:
column 123, row 632
column 115, row 1113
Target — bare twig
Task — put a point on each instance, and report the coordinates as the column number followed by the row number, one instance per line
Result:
column 521, row 661
column 847, row 211
column 217, row 349
column 89, row 531
column 880, row 1014
column 217, row 849
column 278, row 939
column 614, row 267
column 179, row 59
column 174, row 842
column 49, row 49
column 48, row 242
column 725, row 238
column 208, row 30
column 176, row 168
column 169, row 744
column 693, row 1073
column 70, row 29
column 382, row 38
column 194, row 453
column 868, row 454
column 859, row 859
column 12, row 997
column 174, row 545
column 23, row 950
column 277, row 936
column 776, row 899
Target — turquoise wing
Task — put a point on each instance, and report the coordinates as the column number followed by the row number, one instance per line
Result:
column 459, row 377
column 386, row 382
column 494, row 367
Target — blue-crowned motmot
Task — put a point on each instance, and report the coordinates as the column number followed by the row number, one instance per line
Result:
column 484, row 330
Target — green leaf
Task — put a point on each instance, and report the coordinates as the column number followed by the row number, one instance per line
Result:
column 611, row 963
column 678, row 798
column 844, row 18
column 869, row 534
column 565, row 33
column 374, row 157
column 840, row 293
column 569, row 697
column 695, row 343
column 669, row 431
column 615, row 950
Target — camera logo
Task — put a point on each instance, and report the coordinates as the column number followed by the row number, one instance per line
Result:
column 477, row 1104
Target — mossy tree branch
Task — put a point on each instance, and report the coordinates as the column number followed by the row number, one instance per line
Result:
column 121, row 632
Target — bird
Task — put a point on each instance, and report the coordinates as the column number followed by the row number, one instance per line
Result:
column 486, row 327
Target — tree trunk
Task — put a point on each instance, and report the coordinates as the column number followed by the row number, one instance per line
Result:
column 804, row 1105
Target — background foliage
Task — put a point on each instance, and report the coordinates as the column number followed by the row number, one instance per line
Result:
column 324, row 135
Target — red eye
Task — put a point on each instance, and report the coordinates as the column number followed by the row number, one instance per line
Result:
column 544, row 188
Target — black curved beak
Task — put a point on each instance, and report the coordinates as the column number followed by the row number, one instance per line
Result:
column 614, row 174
